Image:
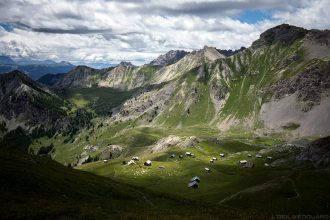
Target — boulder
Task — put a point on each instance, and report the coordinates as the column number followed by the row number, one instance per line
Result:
column 318, row 152
column 111, row 151
column 84, row 160
column 172, row 141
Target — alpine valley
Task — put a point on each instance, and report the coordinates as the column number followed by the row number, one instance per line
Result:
column 124, row 142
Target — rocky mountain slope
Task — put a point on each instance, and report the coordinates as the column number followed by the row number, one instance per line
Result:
column 229, row 53
column 23, row 100
column 81, row 76
column 280, row 85
column 169, row 58
column 126, row 76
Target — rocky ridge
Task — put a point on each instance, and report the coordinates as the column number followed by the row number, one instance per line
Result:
column 169, row 58
column 21, row 97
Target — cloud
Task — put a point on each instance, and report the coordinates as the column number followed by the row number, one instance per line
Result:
column 217, row 8
column 314, row 15
column 114, row 30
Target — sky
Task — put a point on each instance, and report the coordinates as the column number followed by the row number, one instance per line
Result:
column 109, row 31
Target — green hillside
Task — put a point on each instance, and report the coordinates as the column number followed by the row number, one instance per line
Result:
column 100, row 100
column 262, row 190
column 35, row 187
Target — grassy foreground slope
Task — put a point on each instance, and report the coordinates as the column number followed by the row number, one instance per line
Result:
column 264, row 190
column 33, row 187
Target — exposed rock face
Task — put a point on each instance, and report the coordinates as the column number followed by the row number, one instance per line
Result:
column 229, row 53
column 84, row 160
column 111, row 152
column 219, row 91
column 169, row 58
column 90, row 148
column 167, row 142
column 146, row 105
column 317, row 44
column 187, row 63
column 283, row 34
column 172, row 141
column 189, row 142
column 281, row 114
column 318, row 152
column 321, row 37
column 309, row 85
column 282, row 148
column 125, row 76
column 211, row 53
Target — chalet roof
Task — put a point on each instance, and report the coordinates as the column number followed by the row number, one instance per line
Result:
column 243, row 161
column 195, row 178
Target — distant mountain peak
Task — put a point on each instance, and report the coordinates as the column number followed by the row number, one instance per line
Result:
column 77, row 77
column 211, row 53
column 206, row 47
column 81, row 67
column 65, row 63
column 6, row 60
column 168, row 58
column 125, row 63
column 34, row 68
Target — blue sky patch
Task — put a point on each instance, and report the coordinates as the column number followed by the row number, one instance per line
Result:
column 252, row 16
column 8, row 27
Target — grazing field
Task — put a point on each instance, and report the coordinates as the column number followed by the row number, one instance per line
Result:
column 34, row 187
column 265, row 190
column 101, row 100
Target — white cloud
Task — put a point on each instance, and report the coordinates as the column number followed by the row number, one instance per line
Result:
column 101, row 31
column 314, row 15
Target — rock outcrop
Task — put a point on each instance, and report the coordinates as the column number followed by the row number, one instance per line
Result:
column 309, row 85
column 229, row 53
column 172, row 141
column 318, row 152
column 169, row 58
column 111, row 152
column 283, row 34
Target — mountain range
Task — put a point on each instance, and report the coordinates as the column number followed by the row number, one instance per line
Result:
column 280, row 85
column 34, row 68
column 281, row 82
